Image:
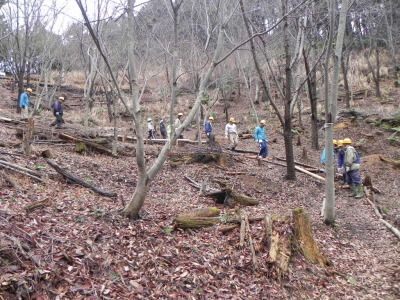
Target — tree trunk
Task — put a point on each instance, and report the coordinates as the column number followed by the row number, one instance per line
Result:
column 331, row 107
column 290, row 169
column 312, row 89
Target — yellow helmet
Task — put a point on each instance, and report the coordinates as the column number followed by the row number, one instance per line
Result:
column 340, row 143
column 29, row 90
column 61, row 98
column 211, row 118
column 232, row 120
column 180, row 114
column 263, row 122
column 335, row 142
column 347, row 141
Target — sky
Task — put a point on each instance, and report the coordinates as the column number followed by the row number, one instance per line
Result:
column 71, row 12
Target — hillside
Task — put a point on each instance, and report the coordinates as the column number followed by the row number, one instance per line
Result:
column 77, row 246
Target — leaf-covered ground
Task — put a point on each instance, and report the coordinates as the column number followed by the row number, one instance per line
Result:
column 81, row 248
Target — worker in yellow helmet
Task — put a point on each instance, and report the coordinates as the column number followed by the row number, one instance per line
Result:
column 24, row 103
column 231, row 132
column 352, row 168
column 58, row 112
column 208, row 128
column 260, row 135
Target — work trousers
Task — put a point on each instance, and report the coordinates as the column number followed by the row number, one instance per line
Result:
column 263, row 149
column 233, row 139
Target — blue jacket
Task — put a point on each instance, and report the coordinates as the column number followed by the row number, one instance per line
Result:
column 323, row 156
column 208, row 127
column 23, row 100
column 260, row 133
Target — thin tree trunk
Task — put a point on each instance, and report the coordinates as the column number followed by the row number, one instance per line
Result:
column 290, row 169
column 331, row 107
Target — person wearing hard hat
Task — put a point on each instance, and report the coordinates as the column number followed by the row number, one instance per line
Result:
column 323, row 154
column 58, row 112
column 208, row 127
column 178, row 122
column 260, row 136
column 352, row 168
column 150, row 127
column 163, row 130
column 232, row 133
column 24, row 103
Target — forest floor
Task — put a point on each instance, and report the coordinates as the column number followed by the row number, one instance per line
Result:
column 80, row 247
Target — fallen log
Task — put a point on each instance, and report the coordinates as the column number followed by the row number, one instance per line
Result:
column 230, row 197
column 393, row 229
column 204, row 158
column 75, row 179
column 20, row 172
column 185, row 222
column 302, row 164
column 15, row 166
column 91, row 144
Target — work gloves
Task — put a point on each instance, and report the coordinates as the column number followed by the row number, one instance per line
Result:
column 347, row 169
column 57, row 113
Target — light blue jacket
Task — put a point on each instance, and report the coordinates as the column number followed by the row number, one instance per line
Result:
column 260, row 133
column 24, row 100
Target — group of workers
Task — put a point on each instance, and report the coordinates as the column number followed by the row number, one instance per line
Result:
column 231, row 132
column 24, row 102
column 348, row 164
column 348, row 160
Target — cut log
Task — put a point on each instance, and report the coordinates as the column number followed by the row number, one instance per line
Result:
column 2, row 165
column 225, row 229
column 80, row 181
column 305, row 238
column 185, row 222
column 302, row 164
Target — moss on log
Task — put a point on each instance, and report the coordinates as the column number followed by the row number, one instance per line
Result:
column 187, row 222
column 305, row 238
column 240, row 198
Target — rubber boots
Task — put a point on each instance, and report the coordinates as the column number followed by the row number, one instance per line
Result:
column 353, row 190
column 360, row 191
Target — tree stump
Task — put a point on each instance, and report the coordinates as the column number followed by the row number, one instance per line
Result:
column 305, row 238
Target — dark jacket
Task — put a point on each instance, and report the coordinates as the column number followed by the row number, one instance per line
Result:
column 57, row 108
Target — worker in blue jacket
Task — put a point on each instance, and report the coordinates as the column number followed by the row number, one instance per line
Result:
column 260, row 135
column 24, row 103
column 208, row 128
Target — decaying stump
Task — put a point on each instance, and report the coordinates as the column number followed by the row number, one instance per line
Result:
column 305, row 238
column 280, row 250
